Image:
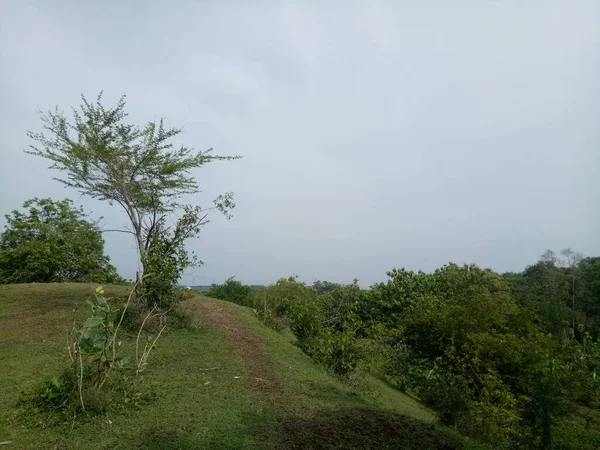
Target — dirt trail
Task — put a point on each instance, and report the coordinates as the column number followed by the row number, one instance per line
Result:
column 259, row 370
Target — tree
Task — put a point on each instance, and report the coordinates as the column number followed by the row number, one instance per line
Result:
column 572, row 260
column 460, row 341
column 555, row 289
column 544, row 288
column 53, row 241
column 140, row 169
column 324, row 286
column 589, row 271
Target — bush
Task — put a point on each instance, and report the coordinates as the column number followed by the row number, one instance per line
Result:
column 576, row 433
column 60, row 399
column 328, row 328
column 164, row 262
column 274, row 303
column 460, row 341
column 99, row 372
column 457, row 339
column 233, row 291
column 165, row 258
column 339, row 351
column 52, row 241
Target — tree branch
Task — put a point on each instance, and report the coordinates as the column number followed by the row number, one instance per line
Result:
column 117, row 231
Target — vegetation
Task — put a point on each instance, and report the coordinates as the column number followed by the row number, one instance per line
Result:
column 507, row 359
column 106, row 158
column 275, row 303
column 246, row 388
column 141, row 170
column 53, row 241
column 100, row 375
column 233, row 291
column 324, row 286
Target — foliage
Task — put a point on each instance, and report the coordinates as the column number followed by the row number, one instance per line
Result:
column 324, row 286
column 326, row 326
column 53, row 241
column 543, row 288
column 140, row 169
column 454, row 341
column 98, row 364
column 274, row 303
column 337, row 344
column 562, row 293
column 389, row 300
column 197, row 408
column 233, row 291
column 166, row 258
column 461, row 341
column 588, row 292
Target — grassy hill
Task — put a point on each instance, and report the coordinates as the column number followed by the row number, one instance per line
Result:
column 228, row 382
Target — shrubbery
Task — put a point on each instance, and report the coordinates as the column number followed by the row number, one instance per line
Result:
column 52, row 241
column 330, row 330
column 327, row 326
column 459, row 340
column 233, row 291
column 102, row 372
column 273, row 303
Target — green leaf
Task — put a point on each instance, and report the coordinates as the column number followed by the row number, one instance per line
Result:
column 93, row 321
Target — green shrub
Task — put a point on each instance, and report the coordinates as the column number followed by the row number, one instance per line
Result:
column 233, row 291
column 459, row 340
column 576, row 433
column 339, row 351
column 324, row 286
column 306, row 321
column 165, row 257
column 52, row 241
column 164, row 262
column 273, row 303
column 99, row 372
column 328, row 328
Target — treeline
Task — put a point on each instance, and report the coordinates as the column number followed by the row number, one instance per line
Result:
column 512, row 360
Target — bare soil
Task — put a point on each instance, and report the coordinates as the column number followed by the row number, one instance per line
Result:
column 260, row 379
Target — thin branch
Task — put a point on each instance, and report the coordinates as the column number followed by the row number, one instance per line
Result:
column 117, row 231
column 137, row 341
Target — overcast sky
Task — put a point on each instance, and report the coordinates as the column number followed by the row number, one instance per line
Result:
column 393, row 134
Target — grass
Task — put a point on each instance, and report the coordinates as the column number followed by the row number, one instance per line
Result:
column 316, row 388
column 208, row 392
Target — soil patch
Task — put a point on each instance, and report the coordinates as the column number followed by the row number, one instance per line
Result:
column 258, row 367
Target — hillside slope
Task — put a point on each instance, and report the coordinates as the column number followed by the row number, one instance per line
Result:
column 229, row 383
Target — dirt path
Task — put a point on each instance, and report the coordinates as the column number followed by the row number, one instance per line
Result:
column 259, row 370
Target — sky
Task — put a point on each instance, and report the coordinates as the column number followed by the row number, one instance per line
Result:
column 374, row 135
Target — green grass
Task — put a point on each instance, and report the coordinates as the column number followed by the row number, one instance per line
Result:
column 195, row 408
column 314, row 386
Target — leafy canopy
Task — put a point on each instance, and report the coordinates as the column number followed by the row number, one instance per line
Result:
column 52, row 241
column 105, row 157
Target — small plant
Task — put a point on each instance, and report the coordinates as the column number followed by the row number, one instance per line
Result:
column 99, row 368
column 94, row 347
